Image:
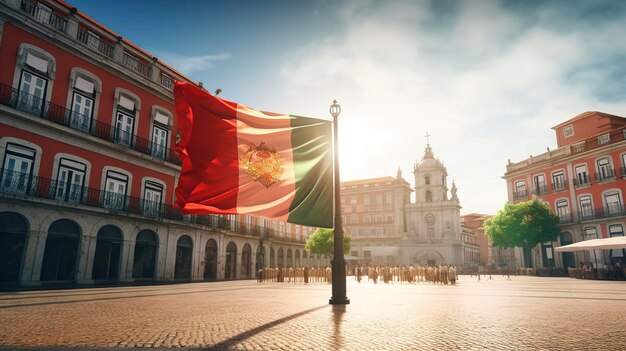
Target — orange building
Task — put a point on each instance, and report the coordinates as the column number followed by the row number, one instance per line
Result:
column 583, row 183
column 88, row 173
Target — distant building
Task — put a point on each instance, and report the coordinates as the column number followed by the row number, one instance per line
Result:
column 583, row 183
column 387, row 228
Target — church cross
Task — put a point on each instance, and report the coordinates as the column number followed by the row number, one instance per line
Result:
column 427, row 140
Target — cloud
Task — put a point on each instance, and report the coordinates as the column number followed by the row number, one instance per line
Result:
column 486, row 79
column 189, row 64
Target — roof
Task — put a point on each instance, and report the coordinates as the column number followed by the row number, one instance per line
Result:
column 585, row 115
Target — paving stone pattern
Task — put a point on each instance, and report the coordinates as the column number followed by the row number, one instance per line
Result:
column 525, row 313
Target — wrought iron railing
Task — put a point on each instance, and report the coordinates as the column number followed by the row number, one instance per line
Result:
column 559, row 186
column 12, row 182
column 95, row 43
column 610, row 210
column 581, row 180
column 60, row 115
column 136, row 65
column 44, row 15
column 605, row 174
column 540, row 189
column 520, row 194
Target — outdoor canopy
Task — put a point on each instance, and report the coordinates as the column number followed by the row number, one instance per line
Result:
column 616, row 242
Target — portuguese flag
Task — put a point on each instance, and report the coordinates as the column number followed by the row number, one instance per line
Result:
column 237, row 160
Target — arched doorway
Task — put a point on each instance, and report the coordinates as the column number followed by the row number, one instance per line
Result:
column 246, row 261
column 272, row 259
column 297, row 258
column 106, row 261
column 61, row 252
column 184, row 250
column 230, row 261
column 281, row 258
column 13, row 235
column 210, row 260
column 289, row 258
column 144, row 260
column 568, row 257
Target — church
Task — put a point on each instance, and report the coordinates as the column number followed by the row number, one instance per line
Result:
column 387, row 228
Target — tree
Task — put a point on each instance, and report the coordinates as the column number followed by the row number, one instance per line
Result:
column 524, row 224
column 322, row 242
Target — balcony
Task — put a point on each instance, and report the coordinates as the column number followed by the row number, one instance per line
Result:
column 611, row 210
column 540, row 189
column 25, row 184
column 565, row 218
column 71, row 26
column 581, row 180
column 520, row 194
column 559, row 186
column 605, row 175
column 60, row 115
column 44, row 15
column 95, row 43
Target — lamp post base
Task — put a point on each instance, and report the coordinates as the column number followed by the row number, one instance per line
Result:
column 339, row 301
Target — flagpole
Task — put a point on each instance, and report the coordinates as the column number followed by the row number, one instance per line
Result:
column 339, row 262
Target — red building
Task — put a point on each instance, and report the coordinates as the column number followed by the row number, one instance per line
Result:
column 582, row 181
column 88, row 173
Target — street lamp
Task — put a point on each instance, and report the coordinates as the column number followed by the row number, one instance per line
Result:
column 339, row 262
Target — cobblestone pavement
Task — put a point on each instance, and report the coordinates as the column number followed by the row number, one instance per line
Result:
column 525, row 313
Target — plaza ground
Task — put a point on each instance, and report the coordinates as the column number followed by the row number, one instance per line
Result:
column 525, row 313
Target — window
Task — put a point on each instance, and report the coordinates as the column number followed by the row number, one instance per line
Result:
column 115, row 190
column 590, row 233
column 616, row 230
column 379, row 199
column 562, row 210
column 558, row 181
column 604, row 139
column 427, row 179
column 520, row 188
column 70, row 180
column 32, row 92
column 586, row 209
column 354, row 219
column 388, row 199
column 623, row 168
column 613, row 204
column 367, row 220
column 430, row 233
column 125, row 118
column 152, row 196
column 539, row 182
column 568, row 131
column 605, row 171
column 429, row 196
column 582, row 178
column 82, row 104
column 17, row 168
column 160, row 133
column 366, row 200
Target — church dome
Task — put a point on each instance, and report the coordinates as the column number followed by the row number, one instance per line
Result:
column 429, row 161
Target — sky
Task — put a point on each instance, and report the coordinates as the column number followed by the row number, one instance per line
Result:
column 487, row 80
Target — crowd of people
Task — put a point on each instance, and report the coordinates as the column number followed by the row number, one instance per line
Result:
column 402, row 274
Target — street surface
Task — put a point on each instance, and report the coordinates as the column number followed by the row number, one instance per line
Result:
column 525, row 313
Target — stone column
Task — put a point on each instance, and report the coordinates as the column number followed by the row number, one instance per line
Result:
column 118, row 51
column 155, row 71
column 72, row 24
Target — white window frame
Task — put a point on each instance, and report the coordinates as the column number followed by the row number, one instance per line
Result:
column 67, row 189
column 22, row 157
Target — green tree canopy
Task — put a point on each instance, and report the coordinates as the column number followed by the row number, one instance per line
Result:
column 322, row 242
column 524, row 224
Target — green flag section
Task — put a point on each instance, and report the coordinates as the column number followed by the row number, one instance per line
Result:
column 237, row 160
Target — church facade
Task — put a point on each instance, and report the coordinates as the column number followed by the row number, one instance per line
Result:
column 387, row 228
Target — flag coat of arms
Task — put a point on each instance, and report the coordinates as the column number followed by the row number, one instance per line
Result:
column 237, row 160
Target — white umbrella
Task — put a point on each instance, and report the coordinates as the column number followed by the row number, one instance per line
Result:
column 616, row 242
